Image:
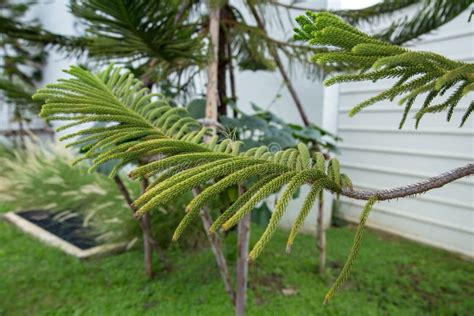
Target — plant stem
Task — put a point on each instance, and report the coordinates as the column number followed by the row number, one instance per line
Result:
column 216, row 246
column 233, row 92
column 211, row 114
column 147, row 249
column 144, row 225
column 212, row 69
column 412, row 189
column 281, row 68
column 243, row 231
column 321, row 234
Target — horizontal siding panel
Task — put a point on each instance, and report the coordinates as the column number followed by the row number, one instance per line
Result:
column 392, row 116
column 429, row 142
column 447, row 237
column 423, row 207
column 464, row 227
column 392, row 150
column 401, row 162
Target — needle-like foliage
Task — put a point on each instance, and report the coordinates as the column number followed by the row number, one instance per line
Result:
column 141, row 126
column 143, row 34
column 419, row 74
column 427, row 16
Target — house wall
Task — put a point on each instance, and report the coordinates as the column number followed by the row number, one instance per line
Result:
column 377, row 155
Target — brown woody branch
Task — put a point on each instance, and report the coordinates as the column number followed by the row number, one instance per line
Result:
column 412, row 189
column 145, row 227
column 281, row 68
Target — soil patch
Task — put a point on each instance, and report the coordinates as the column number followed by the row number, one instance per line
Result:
column 69, row 228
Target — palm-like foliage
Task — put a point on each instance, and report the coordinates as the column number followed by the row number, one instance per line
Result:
column 427, row 16
column 137, row 31
column 169, row 143
column 20, row 67
column 418, row 73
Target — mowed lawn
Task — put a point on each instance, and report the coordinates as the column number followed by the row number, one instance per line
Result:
column 391, row 277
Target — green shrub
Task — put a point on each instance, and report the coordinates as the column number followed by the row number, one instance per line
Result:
column 42, row 176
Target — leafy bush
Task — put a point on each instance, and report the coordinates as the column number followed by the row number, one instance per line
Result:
column 44, row 177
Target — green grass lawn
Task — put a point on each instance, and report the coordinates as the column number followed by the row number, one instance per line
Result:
column 391, row 277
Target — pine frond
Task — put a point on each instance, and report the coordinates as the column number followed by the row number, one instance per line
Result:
column 141, row 127
column 418, row 73
column 354, row 251
column 138, row 31
column 428, row 15
column 34, row 34
column 19, row 94
column 304, row 212
column 116, row 98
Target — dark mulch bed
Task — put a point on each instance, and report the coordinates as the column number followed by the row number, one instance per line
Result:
column 70, row 229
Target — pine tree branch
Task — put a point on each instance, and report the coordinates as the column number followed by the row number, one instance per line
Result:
column 37, row 35
column 146, row 127
column 281, row 68
column 431, row 15
column 412, row 189
column 420, row 74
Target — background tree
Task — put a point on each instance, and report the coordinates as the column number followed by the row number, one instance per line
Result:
column 20, row 68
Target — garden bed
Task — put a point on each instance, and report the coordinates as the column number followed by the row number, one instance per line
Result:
column 64, row 232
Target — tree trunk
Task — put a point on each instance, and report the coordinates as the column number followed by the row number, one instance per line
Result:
column 222, row 66
column 233, row 92
column 211, row 114
column 148, row 241
column 21, row 133
column 147, row 249
column 321, row 233
column 216, row 246
column 212, row 69
column 243, row 230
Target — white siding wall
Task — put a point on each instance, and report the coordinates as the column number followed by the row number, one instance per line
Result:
column 377, row 155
